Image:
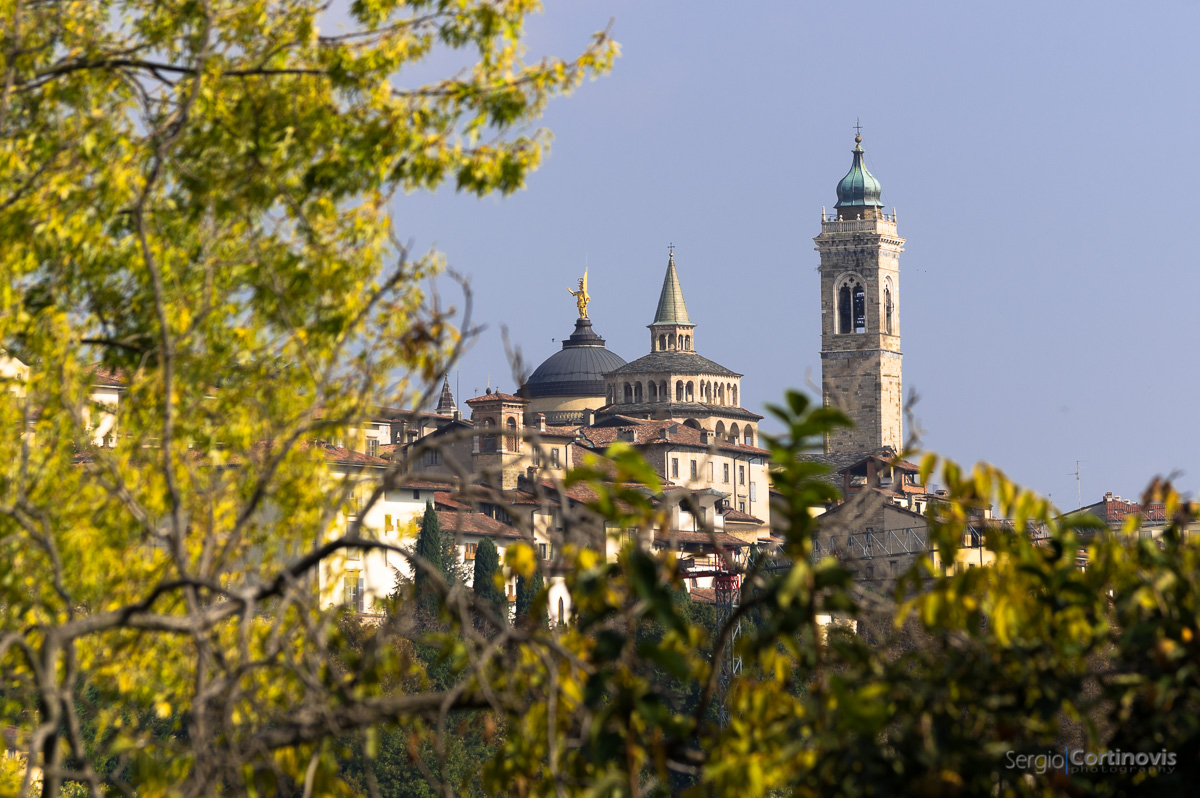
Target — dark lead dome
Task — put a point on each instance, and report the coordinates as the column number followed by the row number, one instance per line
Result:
column 578, row 370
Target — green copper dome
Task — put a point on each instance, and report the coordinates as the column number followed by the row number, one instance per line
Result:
column 859, row 188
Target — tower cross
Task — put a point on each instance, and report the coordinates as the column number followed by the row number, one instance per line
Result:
column 857, row 126
column 671, row 249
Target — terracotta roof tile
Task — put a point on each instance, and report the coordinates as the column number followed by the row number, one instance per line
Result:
column 487, row 397
column 720, row 539
column 738, row 517
column 656, row 432
column 108, row 377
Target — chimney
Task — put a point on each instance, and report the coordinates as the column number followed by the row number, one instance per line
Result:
column 541, row 422
column 530, row 472
column 705, row 437
column 589, row 417
column 457, row 414
column 667, row 432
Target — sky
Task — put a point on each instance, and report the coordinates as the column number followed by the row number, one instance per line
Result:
column 1040, row 158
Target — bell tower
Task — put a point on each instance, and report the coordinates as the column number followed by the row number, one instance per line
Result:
column 860, row 314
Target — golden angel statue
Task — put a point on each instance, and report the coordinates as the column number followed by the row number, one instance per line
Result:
column 582, row 297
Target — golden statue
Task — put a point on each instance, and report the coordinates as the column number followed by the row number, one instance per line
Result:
column 582, row 297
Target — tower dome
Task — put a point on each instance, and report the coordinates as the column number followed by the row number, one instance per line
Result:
column 859, row 188
column 577, row 370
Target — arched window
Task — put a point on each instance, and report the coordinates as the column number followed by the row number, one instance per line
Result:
column 687, row 342
column 733, row 434
column 691, row 391
column 733, row 396
column 637, row 392
column 662, row 342
column 720, row 429
column 488, row 442
column 679, row 390
column 721, row 394
column 749, row 436
column 887, row 310
column 628, row 393
column 860, row 309
column 844, row 309
column 671, row 341
column 611, row 391
column 652, row 390
column 664, row 394
column 512, row 442
column 693, row 423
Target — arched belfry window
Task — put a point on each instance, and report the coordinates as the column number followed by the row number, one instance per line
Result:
column 843, row 306
column 512, row 442
column 652, row 390
column 887, row 310
column 637, row 392
column 679, row 390
column 662, row 342
column 852, row 308
column 628, row 394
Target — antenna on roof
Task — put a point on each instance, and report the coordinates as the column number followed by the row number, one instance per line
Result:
column 1078, row 489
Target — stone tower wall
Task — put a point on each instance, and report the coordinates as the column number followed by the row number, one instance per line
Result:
column 861, row 371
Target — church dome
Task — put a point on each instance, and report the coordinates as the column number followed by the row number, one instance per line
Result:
column 578, row 370
column 859, row 188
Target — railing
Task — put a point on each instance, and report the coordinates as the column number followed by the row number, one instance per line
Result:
column 884, row 223
column 562, row 418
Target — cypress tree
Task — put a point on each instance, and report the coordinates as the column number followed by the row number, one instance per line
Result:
column 527, row 590
column 452, row 570
column 487, row 563
column 429, row 548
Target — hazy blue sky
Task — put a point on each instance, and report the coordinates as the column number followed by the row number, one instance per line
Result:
column 1040, row 156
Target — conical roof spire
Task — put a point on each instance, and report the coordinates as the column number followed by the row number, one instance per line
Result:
column 445, row 405
column 671, row 308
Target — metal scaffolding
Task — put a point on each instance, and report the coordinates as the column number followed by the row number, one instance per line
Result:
column 727, row 592
column 870, row 543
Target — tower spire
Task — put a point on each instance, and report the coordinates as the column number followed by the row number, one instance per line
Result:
column 671, row 307
column 671, row 328
column 445, row 405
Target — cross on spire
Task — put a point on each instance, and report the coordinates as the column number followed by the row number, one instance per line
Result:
column 671, row 249
column 857, row 126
